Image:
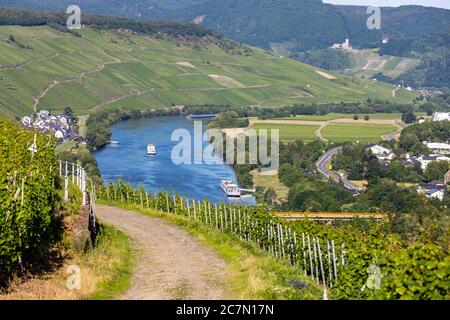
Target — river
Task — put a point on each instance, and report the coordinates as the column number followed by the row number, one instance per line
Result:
column 129, row 161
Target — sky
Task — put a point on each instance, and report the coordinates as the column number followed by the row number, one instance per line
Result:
column 394, row 3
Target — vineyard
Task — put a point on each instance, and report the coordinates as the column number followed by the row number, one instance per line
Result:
column 28, row 194
column 349, row 263
column 368, row 261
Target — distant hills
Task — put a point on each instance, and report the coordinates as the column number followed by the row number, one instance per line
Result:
column 290, row 27
column 298, row 24
column 116, row 62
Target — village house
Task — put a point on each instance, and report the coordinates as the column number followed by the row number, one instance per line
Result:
column 58, row 125
column 435, row 147
column 434, row 189
column 426, row 160
column 382, row 153
column 441, row 116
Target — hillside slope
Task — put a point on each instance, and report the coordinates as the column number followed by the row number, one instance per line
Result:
column 300, row 24
column 42, row 67
column 291, row 27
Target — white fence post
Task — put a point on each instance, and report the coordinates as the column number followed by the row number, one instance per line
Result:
column 83, row 185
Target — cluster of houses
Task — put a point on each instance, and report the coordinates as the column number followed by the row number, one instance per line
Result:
column 439, row 152
column 59, row 125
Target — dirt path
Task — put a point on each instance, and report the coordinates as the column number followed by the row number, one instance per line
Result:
column 170, row 263
column 318, row 133
column 115, row 99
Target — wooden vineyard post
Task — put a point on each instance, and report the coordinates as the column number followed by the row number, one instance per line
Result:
column 321, row 264
column 146, row 198
column 66, row 186
column 167, row 202
column 23, row 187
column 199, row 211
column 217, row 222
column 310, row 258
column 240, row 227
column 60, row 168
column 78, row 176
column 270, row 238
column 73, row 172
column 221, row 219
column 315, row 259
column 142, row 201
column 342, row 253
column 195, row 210
column 334, row 259
column 295, row 250
column 329, row 264
column 206, row 214
column 226, row 222
column 188, row 208
column 280, row 244
column 282, row 241
column 303, row 252
column 209, row 213
column 231, row 220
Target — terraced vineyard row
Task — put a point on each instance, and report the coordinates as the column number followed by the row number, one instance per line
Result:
column 352, row 264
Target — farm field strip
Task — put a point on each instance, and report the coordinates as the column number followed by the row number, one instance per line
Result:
column 341, row 132
column 290, row 131
column 335, row 116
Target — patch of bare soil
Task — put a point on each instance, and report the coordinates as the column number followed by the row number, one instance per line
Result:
column 170, row 263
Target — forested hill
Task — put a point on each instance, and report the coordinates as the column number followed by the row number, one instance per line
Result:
column 24, row 17
column 297, row 25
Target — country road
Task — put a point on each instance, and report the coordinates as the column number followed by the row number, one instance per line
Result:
column 394, row 135
column 170, row 263
column 322, row 166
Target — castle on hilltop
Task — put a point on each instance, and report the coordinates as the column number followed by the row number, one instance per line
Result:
column 345, row 45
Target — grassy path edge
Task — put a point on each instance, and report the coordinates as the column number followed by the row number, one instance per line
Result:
column 253, row 273
column 112, row 241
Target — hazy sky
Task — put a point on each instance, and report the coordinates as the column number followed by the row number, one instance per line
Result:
column 394, row 3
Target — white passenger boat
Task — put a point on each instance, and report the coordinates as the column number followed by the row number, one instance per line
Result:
column 151, row 150
column 230, row 189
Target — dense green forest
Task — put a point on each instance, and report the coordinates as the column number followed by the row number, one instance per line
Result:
column 329, row 59
column 24, row 17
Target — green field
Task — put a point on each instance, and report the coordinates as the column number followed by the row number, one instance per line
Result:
column 290, row 131
column 108, row 70
column 333, row 116
column 341, row 132
column 271, row 181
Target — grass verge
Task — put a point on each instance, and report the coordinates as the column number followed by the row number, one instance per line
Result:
column 253, row 274
column 105, row 272
column 113, row 260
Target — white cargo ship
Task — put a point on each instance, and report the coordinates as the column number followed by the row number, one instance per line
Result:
column 151, row 150
column 230, row 189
